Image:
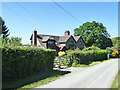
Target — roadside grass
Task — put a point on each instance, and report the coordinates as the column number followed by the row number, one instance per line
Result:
column 34, row 80
column 116, row 82
column 91, row 64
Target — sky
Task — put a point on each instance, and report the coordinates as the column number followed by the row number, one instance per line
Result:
column 48, row 18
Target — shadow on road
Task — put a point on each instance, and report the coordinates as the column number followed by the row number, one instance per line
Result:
column 32, row 79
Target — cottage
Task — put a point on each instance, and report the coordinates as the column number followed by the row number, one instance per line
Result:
column 57, row 42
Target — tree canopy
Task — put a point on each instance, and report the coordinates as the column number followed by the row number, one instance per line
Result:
column 116, row 42
column 13, row 41
column 3, row 29
column 95, row 34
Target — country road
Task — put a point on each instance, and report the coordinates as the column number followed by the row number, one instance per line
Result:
column 98, row 76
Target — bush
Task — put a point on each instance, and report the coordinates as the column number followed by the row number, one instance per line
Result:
column 91, row 48
column 75, row 58
column 86, row 57
column 99, row 55
column 109, row 50
column 115, row 53
column 21, row 62
column 61, row 53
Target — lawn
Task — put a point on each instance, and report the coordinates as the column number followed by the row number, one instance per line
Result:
column 116, row 82
column 34, row 80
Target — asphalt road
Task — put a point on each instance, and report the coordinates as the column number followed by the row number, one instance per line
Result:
column 98, row 76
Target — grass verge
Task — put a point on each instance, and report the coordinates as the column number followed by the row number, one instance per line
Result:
column 91, row 64
column 116, row 82
column 34, row 80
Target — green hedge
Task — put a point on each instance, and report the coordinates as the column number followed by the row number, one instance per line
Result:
column 82, row 57
column 22, row 62
column 99, row 55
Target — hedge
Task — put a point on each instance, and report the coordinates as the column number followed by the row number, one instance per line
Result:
column 99, row 55
column 18, row 63
column 82, row 57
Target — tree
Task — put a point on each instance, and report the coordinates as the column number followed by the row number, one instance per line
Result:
column 15, row 41
column 116, row 42
column 3, row 29
column 94, row 34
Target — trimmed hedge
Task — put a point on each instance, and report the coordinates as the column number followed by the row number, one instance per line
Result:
column 99, row 55
column 83, row 57
column 18, row 63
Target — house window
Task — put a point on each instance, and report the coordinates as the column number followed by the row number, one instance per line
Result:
column 71, row 44
column 80, row 43
column 50, row 42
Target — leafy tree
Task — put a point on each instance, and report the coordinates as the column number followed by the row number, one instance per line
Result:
column 3, row 29
column 15, row 41
column 94, row 34
column 116, row 42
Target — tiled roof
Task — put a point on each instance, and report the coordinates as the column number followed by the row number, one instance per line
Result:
column 56, row 38
column 46, row 38
column 64, row 38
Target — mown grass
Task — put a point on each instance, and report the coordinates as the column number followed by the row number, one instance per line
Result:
column 34, row 80
column 116, row 82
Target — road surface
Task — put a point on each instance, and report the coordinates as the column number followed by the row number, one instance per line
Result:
column 98, row 76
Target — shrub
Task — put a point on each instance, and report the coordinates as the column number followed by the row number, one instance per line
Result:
column 115, row 53
column 86, row 57
column 91, row 48
column 99, row 55
column 109, row 50
column 79, row 57
column 77, row 49
column 21, row 62
column 75, row 58
column 61, row 53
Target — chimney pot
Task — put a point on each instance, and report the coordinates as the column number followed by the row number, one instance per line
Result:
column 67, row 33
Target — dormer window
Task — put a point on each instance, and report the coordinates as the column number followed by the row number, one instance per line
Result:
column 50, row 42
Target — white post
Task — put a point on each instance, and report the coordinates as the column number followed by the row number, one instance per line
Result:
column 108, row 56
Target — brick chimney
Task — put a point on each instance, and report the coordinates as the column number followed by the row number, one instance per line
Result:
column 67, row 33
column 34, row 39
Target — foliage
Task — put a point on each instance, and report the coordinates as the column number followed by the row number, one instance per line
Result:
column 99, row 55
column 116, row 82
column 116, row 42
column 94, row 34
column 69, row 51
column 4, row 41
column 74, row 58
column 115, row 53
column 109, row 50
column 61, row 53
column 13, row 41
column 77, row 49
column 62, row 61
column 3, row 29
column 18, row 63
column 91, row 48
